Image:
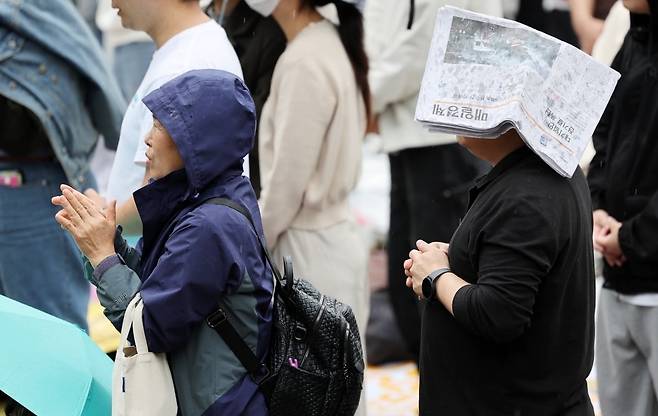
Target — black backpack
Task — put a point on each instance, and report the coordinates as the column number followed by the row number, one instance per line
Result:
column 314, row 365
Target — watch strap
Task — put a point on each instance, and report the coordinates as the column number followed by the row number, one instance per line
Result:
column 434, row 277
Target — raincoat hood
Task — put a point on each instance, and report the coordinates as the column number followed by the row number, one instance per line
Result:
column 211, row 117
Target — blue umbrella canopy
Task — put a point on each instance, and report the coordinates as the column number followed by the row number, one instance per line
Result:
column 51, row 366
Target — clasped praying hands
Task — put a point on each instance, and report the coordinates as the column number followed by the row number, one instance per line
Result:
column 91, row 227
column 606, row 238
column 423, row 261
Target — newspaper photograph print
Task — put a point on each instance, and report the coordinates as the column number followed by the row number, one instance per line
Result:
column 475, row 42
column 485, row 75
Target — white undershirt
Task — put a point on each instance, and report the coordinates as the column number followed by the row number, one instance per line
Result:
column 550, row 5
column 643, row 299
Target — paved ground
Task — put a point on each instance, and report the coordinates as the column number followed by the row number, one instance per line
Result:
column 392, row 390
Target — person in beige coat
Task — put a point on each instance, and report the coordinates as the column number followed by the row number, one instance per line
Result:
column 310, row 139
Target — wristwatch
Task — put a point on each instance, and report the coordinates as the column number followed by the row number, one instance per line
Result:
column 429, row 283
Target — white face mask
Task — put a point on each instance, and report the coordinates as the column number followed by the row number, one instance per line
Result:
column 263, row 7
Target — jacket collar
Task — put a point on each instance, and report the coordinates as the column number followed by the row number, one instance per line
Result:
column 644, row 28
column 640, row 27
column 511, row 160
column 162, row 200
column 159, row 202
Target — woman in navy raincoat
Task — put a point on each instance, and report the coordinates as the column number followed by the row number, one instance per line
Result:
column 204, row 123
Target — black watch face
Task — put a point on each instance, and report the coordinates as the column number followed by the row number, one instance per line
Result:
column 427, row 288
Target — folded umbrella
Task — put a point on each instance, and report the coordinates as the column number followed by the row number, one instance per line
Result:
column 51, row 366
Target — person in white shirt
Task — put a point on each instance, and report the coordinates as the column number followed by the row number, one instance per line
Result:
column 129, row 51
column 186, row 39
column 430, row 172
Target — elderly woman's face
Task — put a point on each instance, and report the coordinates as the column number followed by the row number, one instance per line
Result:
column 161, row 152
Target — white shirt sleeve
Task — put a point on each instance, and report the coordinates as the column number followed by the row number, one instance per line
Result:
column 144, row 129
column 397, row 69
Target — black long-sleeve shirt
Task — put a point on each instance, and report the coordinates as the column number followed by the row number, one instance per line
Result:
column 520, row 341
column 623, row 175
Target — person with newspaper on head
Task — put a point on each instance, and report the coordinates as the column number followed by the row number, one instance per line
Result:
column 508, row 322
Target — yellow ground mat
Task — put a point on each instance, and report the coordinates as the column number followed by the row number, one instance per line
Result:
column 392, row 390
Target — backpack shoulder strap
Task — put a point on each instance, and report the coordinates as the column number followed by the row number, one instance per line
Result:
column 245, row 212
column 219, row 321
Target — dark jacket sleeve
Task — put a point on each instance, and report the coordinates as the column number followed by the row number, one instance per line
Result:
column 517, row 247
column 130, row 255
column 115, row 289
column 597, row 168
column 273, row 45
column 198, row 261
column 638, row 237
column 117, row 285
column 596, row 175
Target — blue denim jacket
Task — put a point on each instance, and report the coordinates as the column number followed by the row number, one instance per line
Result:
column 51, row 64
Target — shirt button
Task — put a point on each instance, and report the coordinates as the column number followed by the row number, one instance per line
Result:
column 12, row 44
column 42, row 69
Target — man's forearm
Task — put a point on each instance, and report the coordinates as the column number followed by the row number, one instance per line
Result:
column 587, row 27
column 581, row 10
column 128, row 217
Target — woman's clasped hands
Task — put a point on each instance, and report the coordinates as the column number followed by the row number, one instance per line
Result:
column 423, row 261
column 91, row 227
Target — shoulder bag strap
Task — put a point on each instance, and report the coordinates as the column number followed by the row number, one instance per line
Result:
column 219, row 321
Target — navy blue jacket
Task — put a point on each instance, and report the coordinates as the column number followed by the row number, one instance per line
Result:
column 211, row 256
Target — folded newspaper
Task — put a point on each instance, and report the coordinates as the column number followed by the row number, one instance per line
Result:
column 486, row 75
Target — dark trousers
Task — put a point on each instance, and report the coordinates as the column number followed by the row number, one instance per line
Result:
column 429, row 192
